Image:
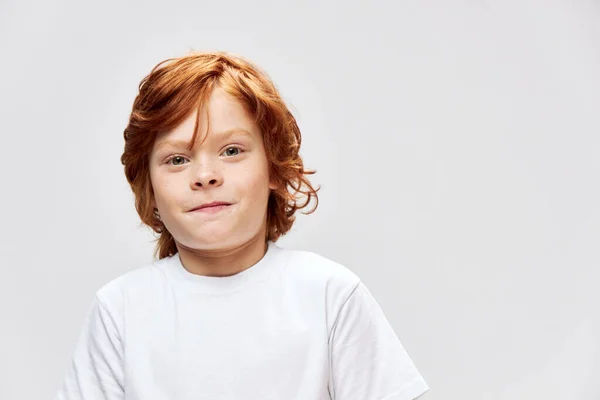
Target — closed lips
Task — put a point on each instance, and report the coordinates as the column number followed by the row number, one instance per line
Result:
column 213, row 204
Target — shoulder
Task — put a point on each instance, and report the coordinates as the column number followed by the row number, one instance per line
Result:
column 316, row 272
column 310, row 264
column 138, row 283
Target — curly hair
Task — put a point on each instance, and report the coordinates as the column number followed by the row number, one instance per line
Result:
column 176, row 87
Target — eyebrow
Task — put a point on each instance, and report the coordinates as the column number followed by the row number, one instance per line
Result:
column 221, row 135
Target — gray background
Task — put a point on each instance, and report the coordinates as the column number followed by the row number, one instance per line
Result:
column 456, row 143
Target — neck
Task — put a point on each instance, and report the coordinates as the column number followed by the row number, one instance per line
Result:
column 223, row 262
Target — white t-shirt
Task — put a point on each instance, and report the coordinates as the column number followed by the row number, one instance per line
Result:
column 295, row 325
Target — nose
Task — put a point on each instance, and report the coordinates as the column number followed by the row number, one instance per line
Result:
column 207, row 175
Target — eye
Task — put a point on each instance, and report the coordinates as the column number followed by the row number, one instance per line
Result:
column 229, row 153
column 177, row 158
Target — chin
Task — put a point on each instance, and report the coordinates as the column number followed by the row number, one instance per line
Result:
column 212, row 240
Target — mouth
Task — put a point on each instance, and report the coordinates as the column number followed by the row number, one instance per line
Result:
column 210, row 208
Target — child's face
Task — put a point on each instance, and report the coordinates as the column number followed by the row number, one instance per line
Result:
column 232, row 169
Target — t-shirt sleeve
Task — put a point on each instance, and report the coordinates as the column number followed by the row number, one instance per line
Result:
column 368, row 362
column 96, row 368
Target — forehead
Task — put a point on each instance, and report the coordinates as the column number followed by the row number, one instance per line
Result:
column 222, row 115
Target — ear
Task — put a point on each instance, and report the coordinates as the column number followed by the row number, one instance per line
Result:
column 153, row 203
column 272, row 185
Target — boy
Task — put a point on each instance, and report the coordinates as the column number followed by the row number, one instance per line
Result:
column 211, row 153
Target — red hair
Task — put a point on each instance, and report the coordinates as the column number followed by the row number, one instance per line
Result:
column 174, row 89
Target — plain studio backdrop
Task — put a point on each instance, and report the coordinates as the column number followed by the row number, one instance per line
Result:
column 457, row 145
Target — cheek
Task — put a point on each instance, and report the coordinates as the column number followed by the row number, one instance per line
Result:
column 258, row 188
column 163, row 189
